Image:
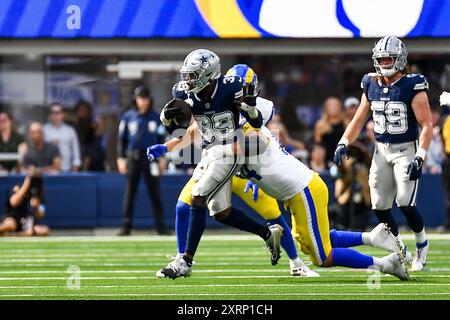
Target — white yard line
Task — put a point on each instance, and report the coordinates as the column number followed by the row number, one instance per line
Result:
column 301, row 285
column 169, row 238
column 224, row 294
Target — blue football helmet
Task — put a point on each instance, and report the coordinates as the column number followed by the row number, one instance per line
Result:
column 247, row 75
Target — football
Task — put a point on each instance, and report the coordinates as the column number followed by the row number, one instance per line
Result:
column 178, row 112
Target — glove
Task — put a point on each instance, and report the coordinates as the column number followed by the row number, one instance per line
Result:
column 249, row 104
column 156, row 151
column 251, row 185
column 415, row 168
column 341, row 150
column 250, row 97
column 444, row 99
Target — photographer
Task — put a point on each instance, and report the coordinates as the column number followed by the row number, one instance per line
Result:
column 25, row 205
column 352, row 207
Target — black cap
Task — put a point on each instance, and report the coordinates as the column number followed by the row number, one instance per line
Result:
column 141, row 91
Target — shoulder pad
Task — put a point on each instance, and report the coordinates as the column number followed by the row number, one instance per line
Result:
column 234, row 84
column 419, row 81
column 366, row 78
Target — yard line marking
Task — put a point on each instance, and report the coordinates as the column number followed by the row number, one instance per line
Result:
column 169, row 238
column 316, row 284
column 224, row 294
column 201, row 277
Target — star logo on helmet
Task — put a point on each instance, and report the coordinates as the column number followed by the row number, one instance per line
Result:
column 203, row 59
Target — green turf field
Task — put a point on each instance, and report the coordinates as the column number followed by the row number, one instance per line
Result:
column 228, row 267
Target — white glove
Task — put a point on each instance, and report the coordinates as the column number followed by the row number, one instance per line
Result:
column 444, row 99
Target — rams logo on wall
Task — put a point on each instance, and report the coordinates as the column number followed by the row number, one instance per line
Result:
column 223, row 18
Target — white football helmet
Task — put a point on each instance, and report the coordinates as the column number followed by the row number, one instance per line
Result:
column 389, row 47
column 199, row 67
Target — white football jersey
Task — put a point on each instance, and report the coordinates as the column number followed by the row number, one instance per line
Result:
column 265, row 107
column 276, row 171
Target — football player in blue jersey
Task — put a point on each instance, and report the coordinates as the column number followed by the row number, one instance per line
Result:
column 260, row 202
column 216, row 103
column 399, row 105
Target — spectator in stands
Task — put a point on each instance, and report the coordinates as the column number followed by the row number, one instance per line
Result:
column 446, row 171
column 10, row 142
column 352, row 207
column 435, row 156
column 317, row 159
column 351, row 104
column 138, row 129
column 63, row 136
column 330, row 127
column 25, row 205
column 40, row 154
column 367, row 137
column 90, row 138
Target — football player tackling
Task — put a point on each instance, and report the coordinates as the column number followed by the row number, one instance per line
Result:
column 216, row 103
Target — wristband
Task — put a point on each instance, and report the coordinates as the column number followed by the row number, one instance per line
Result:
column 344, row 141
column 421, row 152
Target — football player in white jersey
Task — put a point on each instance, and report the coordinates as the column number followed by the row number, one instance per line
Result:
column 304, row 193
column 399, row 105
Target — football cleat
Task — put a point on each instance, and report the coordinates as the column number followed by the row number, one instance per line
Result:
column 382, row 237
column 273, row 243
column 302, row 270
column 420, row 258
column 393, row 264
column 177, row 268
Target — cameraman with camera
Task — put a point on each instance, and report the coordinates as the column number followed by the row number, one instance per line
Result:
column 352, row 207
column 25, row 205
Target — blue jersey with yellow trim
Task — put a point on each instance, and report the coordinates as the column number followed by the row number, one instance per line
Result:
column 217, row 118
column 392, row 113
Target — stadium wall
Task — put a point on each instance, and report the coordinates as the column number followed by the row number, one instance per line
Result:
column 90, row 200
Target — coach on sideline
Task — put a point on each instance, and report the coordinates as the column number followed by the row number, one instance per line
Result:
column 140, row 127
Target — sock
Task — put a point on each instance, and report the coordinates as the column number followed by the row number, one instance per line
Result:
column 346, row 257
column 240, row 220
column 413, row 217
column 182, row 212
column 197, row 222
column 286, row 240
column 345, row 239
column 295, row 263
column 421, row 239
column 385, row 216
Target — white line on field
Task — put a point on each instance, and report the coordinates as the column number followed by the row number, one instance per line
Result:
column 278, row 285
column 197, row 277
column 170, row 238
column 224, row 294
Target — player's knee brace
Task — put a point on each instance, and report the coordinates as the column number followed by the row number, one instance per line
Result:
column 413, row 218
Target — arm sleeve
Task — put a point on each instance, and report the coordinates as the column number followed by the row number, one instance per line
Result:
column 122, row 139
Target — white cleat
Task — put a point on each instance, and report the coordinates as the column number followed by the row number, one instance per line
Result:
column 273, row 243
column 302, row 270
column 420, row 259
column 177, row 268
column 382, row 237
column 393, row 264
